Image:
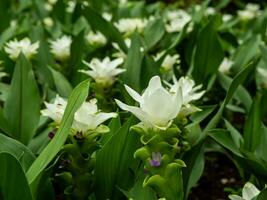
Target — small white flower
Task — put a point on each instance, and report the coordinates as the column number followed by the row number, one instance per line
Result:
column 210, row 11
column 48, row 22
column 249, row 13
column 248, row 193
column 88, row 117
column 15, row 47
column 227, row 17
column 2, row 74
column 225, row 66
column 129, row 25
column 154, row 97
column 107, row 16
column 120, row 53
column 52, row 2
column 70, row 6
column 96, row 39
column 48, row 6
column 104, row 72
column 189, row 90
column 176, row 20
column 61, row 48
column 263, row 76
column 13, row 23
column 169, row 61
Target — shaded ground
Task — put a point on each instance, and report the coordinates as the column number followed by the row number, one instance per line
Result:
column 219, row 174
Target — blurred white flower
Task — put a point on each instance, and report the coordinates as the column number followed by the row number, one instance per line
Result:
column 96, row 39
column 189, row 90
column 154, row 97
column 70, row 6
column 249, row 13
column 248, row 193
column 104, row 71
column 176, row 20
column 107, row 16
column 48, row 6
column 48, row 22
column 227, row 17
column 120, row 53
column 262, row 72
column 13, row 23
column 225, row 66
column 2, row 74
column 52, row 2
column 60, row 48
column 15, row 47
column 169, row 60
column 129, row 25
column 88, row 117
column 210, row 11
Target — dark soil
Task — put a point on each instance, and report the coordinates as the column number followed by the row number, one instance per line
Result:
column 219, row 175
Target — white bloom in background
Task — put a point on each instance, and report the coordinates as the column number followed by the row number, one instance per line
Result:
column 227, row 17
column 249, row 13
column 248, row 193
column 129, row 25
column 48, row 6
column 210, row 11
column 60, row 48
column 263, row 76
column 176, row 20
column 96, row 39
column 225, row 66
column 2, row 74
column 15, row 47
column 169, row 61
column 104, row 71
column 48, row 22
column 189, row 90
column 154, row 97
column 88, row 117
column 120, row 53
column 52, row 2
column 70, row 6
column 13, row 23
column 107, row 16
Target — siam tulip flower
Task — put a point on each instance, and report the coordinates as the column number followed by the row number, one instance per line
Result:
column 87, row 118
column 120, row 53
column 189, row 91
column 107, row 16
column 263, row 76
column 15, row 47
column 48, row 7
column 226, row 66
column 129, row 25
column 176, row 20
column 105, row 71
column 210, row 11
column 227, row 17
column 61, row 48
column 154, row 97
column 156, row 159
column 249, row 13
column 70, row 6
column 96, row 39
column 169, row 61
column 249, row 192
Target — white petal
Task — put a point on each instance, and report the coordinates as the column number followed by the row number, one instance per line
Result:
column 235, row 197
column 133, row 94
column 249, row 191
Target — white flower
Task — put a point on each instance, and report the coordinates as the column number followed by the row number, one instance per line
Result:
column 2, row 74
column 169, row 60
column 225, row 66
column 105, row 71
column 96, row 39
column 70, row 6
column 249, row 13
column 129, row 25
column 120, row 53
column 263, row 76
column 88, row 117
column 61, row 48
column 248, row 193
column 210, row 11
column 48, row 22
column 227, row 17
column 176, row 20
column 189, row 91
column 48, row 6
column 107, row 16
column 15, row 47
column 158, row 106
column 52, row 2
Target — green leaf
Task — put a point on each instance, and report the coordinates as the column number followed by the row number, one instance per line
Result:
column 17, row 150
column 63, row 87
column 113, row 163
column 194, row 160
column 133, row 64
column 4, row 126
column 77, row 97
column 209, row 54
column 241, row 94
column 252, row 134
column 108, row 29
column 236, row 136
column 262, row 195
column 22, row 108
column 238, row 79
column 153, row 33
column 223, row 137
column 13, row 183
